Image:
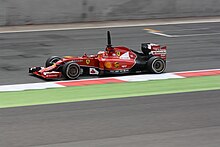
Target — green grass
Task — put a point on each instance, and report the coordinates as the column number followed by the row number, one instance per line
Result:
column 107, row 91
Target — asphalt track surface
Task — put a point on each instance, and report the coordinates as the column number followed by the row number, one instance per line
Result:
column 188, row 119
column 183, row 120
column 22, row 50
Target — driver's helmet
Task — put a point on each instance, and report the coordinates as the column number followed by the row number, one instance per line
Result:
column 110, row 49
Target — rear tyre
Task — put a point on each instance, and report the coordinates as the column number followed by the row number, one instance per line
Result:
column 71, row 70
column 156, row 65
column 50, row 61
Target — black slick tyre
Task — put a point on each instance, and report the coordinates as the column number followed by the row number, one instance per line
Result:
column 156, row 65
column 71, row 70
column 51, row 60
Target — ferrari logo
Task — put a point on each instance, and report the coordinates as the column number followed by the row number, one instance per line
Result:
column 87, row 61
column 118, row 53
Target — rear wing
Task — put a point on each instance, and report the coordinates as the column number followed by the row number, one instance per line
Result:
column 160, row 51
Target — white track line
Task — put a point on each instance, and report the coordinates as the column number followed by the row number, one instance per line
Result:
column 112, row 24
column 161, row 34
column 187, row 35
column 147, row 77
column 194, row 29
column 203, row 70
column 155, row 32
column 29, row 86
column 193, row 35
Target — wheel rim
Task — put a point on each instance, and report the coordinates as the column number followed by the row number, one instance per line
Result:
column 72, row 71
column 158, row 66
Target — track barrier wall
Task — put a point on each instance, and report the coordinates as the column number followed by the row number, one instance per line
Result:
column 24, row 12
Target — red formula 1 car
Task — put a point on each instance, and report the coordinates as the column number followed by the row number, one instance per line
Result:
column 114, row 60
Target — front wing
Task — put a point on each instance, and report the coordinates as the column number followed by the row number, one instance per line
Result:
column 39, row 71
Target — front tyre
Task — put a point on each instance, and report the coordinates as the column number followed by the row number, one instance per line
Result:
column 71, row 70
column 156, row 65
column 51, row 60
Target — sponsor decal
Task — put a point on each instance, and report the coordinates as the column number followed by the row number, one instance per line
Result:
column 78, row 60
column 87, row 61
column 124, row 66
column 116, row 64
column 119, row 71
column 51, row 74
column 159, row 52
column 108, row 64
column 138, row 71
column 125, row 56
column 153, row 46
column 118, row 54
column 93, row 71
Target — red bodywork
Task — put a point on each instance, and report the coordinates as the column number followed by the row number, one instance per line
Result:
column 119, row 59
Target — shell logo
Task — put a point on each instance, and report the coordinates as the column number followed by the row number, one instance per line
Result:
column 116, row 64
column 108, row 64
